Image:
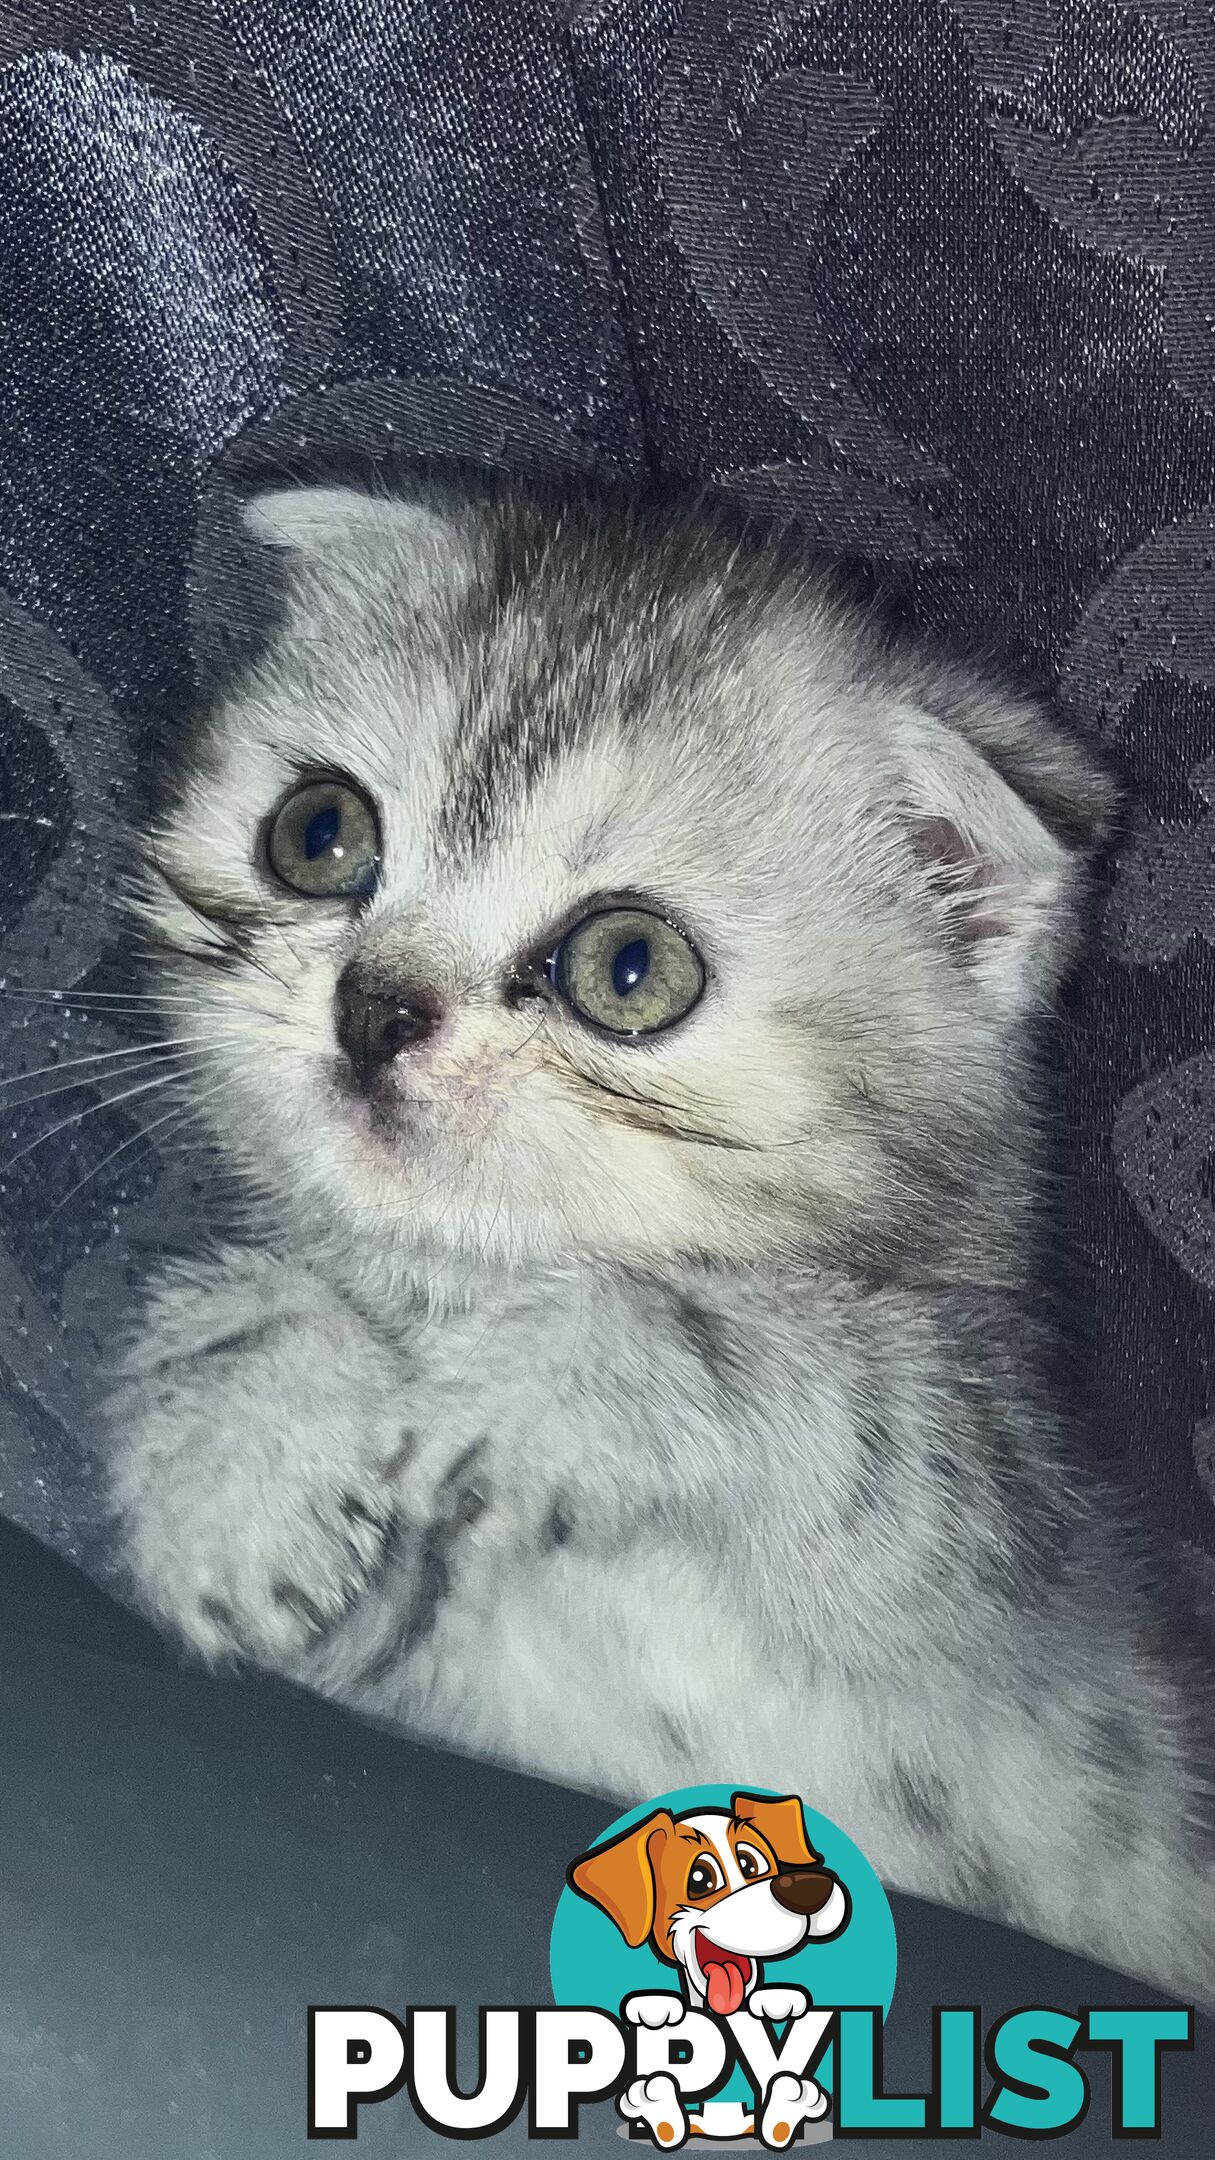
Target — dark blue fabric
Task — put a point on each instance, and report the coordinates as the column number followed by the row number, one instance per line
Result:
column 936, row 279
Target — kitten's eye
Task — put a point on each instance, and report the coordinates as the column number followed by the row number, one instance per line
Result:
column 628, row 971
column 324, row 842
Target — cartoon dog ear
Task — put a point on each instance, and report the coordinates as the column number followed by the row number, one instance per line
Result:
column 619, row 1877
column 780, row 1822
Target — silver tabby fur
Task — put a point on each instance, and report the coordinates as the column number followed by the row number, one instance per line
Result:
column 644, row 1413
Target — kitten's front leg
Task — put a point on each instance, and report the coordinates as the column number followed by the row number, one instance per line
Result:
column 259, row 1429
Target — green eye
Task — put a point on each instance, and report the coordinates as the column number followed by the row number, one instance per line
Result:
column 324, row 842
column 627, row 971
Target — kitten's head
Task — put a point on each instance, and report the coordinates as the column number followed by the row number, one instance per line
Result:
column 575, row 877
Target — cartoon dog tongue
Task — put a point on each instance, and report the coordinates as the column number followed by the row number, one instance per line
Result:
column 725, row 1977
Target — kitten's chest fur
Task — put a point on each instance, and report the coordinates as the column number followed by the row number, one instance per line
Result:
column 600, row 1405
column 638, row 1534
column 786, row 1532
column 793, row 1458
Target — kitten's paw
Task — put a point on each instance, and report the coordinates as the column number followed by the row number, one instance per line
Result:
column 328, row 1569
column 269, row 1590
column 256, row 1460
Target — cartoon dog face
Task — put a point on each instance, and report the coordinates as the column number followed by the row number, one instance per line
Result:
column 715, row 1891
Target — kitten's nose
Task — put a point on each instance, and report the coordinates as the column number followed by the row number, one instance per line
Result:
column 374, row 1025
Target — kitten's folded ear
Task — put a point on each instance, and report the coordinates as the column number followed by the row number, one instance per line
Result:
column 1002, row 810
column 269, row 532
column 336, row 525
column 316, row 520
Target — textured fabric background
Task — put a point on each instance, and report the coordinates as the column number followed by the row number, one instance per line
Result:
column 935, row 276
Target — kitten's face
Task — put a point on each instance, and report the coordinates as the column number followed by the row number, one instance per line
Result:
column 558, row 887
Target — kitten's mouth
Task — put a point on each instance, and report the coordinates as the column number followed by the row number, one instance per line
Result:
column 453, row 1109
column 397, row 1119
column 381, row 1111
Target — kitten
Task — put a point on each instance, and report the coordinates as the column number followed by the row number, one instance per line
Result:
column 619, row 973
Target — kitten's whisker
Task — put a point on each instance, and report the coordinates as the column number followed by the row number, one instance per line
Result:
column 220, row 943
column 216, row 955
column 111, row 1102
column 271, row 974
column 530, row 1037
column 444, row 1184
column 706, row 1137
column 280, row 931
column 145, row 1132
column 472, row 1208
column 177, row 1061
column 69, row 999
column 487, row 1240
column 99, row 1057
column 664, row 1114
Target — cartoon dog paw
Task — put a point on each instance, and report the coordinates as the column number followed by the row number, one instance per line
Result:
column 790, row 2102
column 655, row 2102
column 778, row 2003
column 655, row 2011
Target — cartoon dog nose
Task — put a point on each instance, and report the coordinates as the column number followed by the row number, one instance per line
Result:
column 803, row 1890
column 374, row 1024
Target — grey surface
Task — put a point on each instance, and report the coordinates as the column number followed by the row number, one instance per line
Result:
column 186, row 1863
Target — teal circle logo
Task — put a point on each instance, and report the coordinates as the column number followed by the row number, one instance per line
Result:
column 591, row 1962
column 713, row 1861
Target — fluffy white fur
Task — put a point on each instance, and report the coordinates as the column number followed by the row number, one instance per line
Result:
column 649, row 1412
